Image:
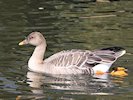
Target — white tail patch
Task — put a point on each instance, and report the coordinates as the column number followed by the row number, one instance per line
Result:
column 102, row 67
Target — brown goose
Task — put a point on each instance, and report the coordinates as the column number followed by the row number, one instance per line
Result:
column 70, row 61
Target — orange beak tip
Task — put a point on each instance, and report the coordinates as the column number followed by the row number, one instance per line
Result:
column 21, row 43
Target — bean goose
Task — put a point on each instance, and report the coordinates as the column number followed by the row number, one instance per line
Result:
column 73, row 61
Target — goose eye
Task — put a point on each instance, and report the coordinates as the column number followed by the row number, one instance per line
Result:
column 31, row 37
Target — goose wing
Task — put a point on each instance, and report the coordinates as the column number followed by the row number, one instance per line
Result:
column 81, row 59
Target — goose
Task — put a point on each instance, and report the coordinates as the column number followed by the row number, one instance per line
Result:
column 73, row 61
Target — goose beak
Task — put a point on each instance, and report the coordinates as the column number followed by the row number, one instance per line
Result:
column 24, row 42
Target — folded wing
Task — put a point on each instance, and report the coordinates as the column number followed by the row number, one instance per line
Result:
column 83, row 60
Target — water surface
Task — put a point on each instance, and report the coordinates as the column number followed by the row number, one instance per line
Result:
column 73, row 24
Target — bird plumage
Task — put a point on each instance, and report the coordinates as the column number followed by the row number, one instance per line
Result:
column 73, row 61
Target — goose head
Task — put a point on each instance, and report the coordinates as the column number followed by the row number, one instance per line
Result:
column 34, row 38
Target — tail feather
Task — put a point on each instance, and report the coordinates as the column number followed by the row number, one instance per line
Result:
column 115, row 49
column 119, row 51
column 111, row 52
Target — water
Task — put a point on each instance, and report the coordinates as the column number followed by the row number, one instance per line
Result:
column 72, row 24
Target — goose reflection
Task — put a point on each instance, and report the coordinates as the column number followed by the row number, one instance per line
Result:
column 39, row 83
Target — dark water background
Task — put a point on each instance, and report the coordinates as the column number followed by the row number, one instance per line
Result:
column 66, row 24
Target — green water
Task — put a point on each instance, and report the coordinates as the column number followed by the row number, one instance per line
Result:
column 66, row 24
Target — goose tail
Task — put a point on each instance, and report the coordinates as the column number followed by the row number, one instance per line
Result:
column 119, row 51
column 112, row 51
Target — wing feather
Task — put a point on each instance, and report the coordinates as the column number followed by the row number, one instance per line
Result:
column 81, row 58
